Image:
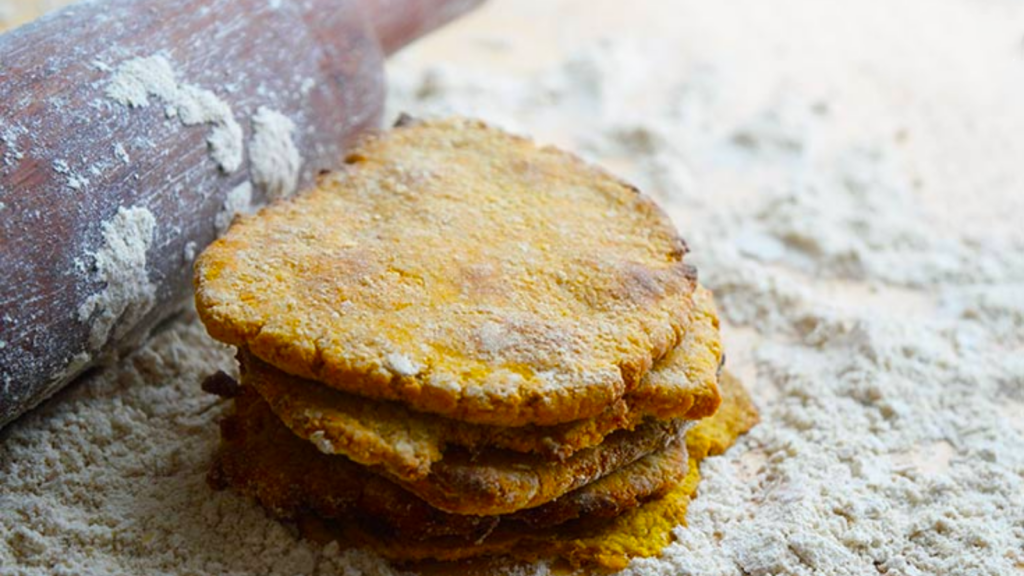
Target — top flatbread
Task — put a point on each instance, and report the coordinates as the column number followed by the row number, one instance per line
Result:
column 461, row 271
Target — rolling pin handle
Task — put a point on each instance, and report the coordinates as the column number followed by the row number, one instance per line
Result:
column 399, row 22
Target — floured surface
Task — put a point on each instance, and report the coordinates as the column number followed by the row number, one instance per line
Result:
column 854, row 205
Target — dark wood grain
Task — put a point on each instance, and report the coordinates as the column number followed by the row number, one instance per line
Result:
column 319, row 62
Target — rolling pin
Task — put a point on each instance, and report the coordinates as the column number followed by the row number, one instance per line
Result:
column 131, row 131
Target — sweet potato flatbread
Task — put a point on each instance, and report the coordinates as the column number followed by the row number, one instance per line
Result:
column 406, row 443
column 501, row 482
column 261, row 458
column 489, row 483
column 597, row 542
column 461, row 271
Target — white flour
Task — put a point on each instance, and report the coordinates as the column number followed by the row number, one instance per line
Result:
column 9, row 136
column 237, row 201
column 135, row 80
column 873, row 298
column 120, row 265
column 274, row 157
column 74, row 180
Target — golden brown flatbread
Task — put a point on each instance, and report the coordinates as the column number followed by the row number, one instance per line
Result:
column 498, row 481
column 261, row 458
column 605, row 543
column 501, row 482
column 406, row 443
column 461, row 271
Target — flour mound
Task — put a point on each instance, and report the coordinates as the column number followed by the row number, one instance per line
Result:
column 238, row 201
column 275, row 158
column 135, row 80
column 120, row 264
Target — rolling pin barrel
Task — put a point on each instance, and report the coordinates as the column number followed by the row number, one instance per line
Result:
column 132, row 130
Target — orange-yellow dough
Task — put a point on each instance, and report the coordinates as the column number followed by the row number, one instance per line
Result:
column 406, row 443
column 262, row 459
column 464, row 345
column 610, row 544
column 461, row 271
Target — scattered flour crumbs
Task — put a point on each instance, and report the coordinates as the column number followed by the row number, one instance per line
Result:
column 120, row 265
column 884, row 341
column 137, row 79
column 275, row 158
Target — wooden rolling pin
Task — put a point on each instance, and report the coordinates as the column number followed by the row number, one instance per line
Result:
column 131, row 131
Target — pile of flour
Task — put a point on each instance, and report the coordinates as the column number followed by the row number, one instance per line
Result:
column 853, row 204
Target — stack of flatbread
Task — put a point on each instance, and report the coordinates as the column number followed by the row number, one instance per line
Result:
column 463, row 344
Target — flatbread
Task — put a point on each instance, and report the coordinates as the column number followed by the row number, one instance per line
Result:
column 501, row 482
column 607, row 544
column 261, row 458
column 492, row 482
column 461, row 271
column 406, row 443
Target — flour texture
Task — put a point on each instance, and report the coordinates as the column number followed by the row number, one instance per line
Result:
column 854, row 205
column 138, row 79
column 127, row 294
